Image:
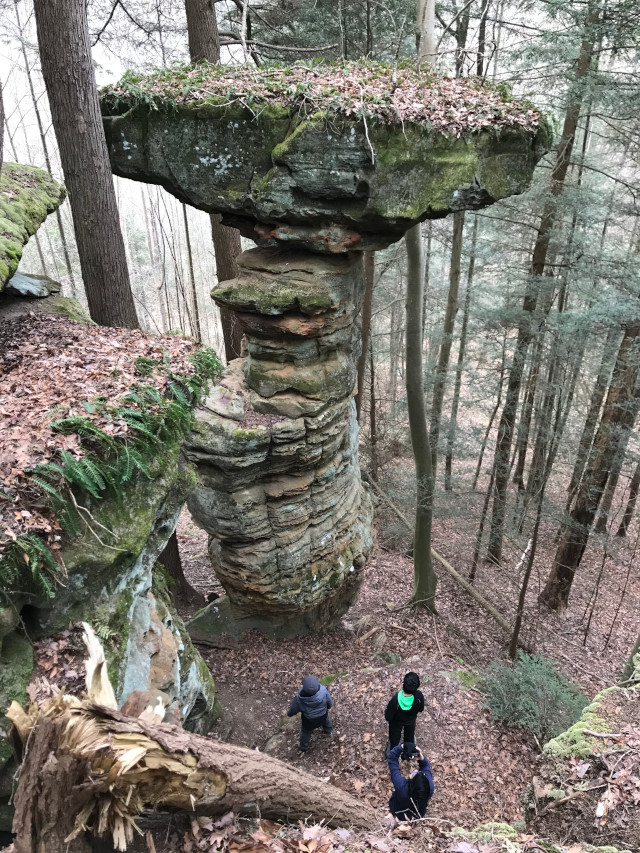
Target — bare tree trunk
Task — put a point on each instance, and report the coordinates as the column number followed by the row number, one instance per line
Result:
column 227, row 247
column 475, row 560
column 612, row 483
column 506, row 425
column 10, row 136
column 544, row 438
column 540, row 250
column 618, row 416
column 497, row 39
column 612, row 344
column 482, row 39
column 447, row 338
column 426, row 32
column 369, row 44
column 634, row 487
column 170, row 559
column 487, row 432
column 448, row 462
column 522, row 440
column 202, row 31
column 515, row 637
column 67, row 769
column 45, row 149
column 427, row 272
column 393, row 354
column 373, row 429
column 65, row 53
column 204, row 43
column 192, row 276
column 365, row 325
column 424, row 589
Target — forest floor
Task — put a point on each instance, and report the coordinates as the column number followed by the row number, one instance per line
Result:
column 480, row 768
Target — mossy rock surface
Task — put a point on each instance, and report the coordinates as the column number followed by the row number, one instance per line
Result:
column 330, row 176
column 27, row 196
column 574, row 743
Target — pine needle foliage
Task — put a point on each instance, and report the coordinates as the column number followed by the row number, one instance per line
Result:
column 108, row 464
column 533, row 695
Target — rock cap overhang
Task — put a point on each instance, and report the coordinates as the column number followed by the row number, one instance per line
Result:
column 331, row 157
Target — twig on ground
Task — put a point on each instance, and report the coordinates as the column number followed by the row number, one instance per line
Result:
column 556, row 803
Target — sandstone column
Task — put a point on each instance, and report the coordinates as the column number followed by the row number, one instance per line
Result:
column 276, row 444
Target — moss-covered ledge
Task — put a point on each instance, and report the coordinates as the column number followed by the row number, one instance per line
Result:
column 27, row 196
column 96, row 482
column 331, row 157
column 571, row 787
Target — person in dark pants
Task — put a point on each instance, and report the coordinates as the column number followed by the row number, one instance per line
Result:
column 312, row 702
column 403, row 709
column 410, row 796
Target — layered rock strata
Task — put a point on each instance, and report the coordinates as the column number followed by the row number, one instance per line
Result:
column 314, row 165
column 276, row 444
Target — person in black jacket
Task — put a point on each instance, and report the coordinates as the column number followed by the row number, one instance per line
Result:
column 403, row 709
column 312, row 702
column 410, row 796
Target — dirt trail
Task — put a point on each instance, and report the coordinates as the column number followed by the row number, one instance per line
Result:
column 480, row 768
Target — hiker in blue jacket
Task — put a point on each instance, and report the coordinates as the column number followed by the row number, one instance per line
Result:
column 312, row 702
column 410, row 796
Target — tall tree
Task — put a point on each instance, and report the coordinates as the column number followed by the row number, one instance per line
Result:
column 424, row 588
column 45, row 147
column 65, row 54
column 451, row 433
column 365, row 324
column 204, row 43
column 618, row 415
column 634, row 487
column 447, row 337
column 538, row 262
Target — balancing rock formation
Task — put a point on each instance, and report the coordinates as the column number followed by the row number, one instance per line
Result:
column 314, row 165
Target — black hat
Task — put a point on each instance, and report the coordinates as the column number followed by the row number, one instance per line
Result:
column 411, row 682
column 310, row 685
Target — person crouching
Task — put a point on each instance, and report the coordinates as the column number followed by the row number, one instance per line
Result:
column 312, row 702
column 410, row 796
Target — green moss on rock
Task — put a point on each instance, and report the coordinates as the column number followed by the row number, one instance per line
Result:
column 68, row 307
column 573, row 742
column 312, row 156
column 27, row 196
column 487, row 831
column 16, row 669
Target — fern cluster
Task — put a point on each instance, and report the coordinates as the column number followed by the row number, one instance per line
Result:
column 109, row 462
column 29, row 563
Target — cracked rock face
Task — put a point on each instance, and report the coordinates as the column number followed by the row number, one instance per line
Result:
column 276, row 443
column 335, row 186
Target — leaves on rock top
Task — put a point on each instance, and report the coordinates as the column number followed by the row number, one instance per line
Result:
column 360, row 90
column 68, row 389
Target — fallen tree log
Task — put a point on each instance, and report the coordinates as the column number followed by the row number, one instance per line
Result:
column 90, row 768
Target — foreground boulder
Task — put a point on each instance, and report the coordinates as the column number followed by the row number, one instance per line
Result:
column 314, row 165
column 90, row 461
